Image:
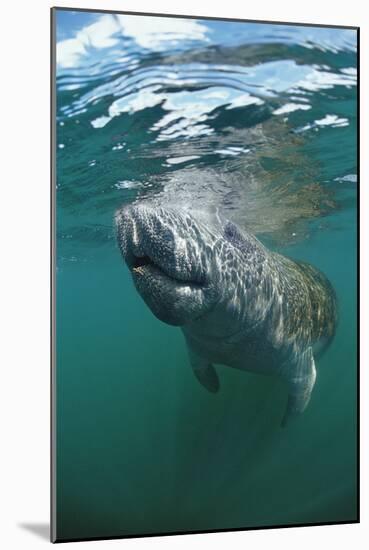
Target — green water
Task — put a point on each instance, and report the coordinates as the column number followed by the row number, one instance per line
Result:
column 141, row 446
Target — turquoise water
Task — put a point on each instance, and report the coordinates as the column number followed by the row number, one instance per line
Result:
column 258, row 121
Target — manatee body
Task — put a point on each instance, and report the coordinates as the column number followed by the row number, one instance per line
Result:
column 237, row 303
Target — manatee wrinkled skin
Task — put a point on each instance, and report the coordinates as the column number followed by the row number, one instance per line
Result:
column 237, row 303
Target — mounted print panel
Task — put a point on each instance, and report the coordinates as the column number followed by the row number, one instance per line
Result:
column 204, row 224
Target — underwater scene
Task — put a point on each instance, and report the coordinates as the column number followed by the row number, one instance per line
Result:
column 206, row 274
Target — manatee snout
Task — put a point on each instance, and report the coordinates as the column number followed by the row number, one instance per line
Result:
column 164, row 254
column 142, row 234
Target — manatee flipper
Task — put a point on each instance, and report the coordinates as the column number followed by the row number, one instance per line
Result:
column 301, row 380
column 204, row 372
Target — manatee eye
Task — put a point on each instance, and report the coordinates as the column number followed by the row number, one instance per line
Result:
column 233, row 234
column 230, row 231
column 235, row 237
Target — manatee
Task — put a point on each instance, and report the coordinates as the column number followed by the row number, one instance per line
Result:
column 237, row 303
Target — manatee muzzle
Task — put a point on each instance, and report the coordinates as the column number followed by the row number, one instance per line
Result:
column 163, row 257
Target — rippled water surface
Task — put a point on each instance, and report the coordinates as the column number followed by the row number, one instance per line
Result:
column 258, row 122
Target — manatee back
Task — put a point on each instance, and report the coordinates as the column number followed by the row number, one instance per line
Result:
column 309, row 303
column 324, row 306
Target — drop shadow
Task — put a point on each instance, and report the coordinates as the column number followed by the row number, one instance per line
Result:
column 42, row 530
